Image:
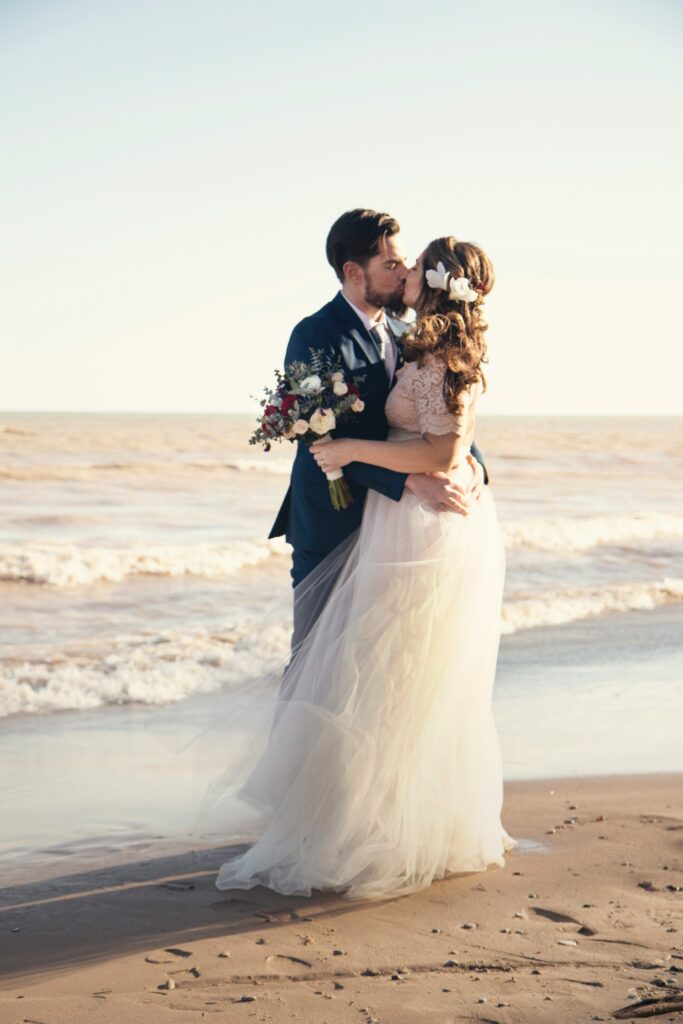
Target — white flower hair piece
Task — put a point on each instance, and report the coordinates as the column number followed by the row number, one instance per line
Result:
column 458, row 288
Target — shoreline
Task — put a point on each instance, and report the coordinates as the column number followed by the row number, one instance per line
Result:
column 578, row 924
column 115, row 776
column 117, row 847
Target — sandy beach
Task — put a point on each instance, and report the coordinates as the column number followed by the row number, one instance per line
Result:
column 583, row 922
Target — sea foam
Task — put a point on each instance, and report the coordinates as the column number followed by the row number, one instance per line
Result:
column 557, row 607
column 147, row 669
column 168, row 666
column 581, row 534
column 68, row 565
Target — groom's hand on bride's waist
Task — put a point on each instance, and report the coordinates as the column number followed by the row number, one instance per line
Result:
column 476, row 484
column 455, row 491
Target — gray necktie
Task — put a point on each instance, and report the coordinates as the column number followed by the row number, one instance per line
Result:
column 385, row 350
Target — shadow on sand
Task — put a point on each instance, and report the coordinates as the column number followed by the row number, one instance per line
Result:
column 152, row 904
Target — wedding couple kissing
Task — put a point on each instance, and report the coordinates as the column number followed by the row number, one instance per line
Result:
column 381, row 770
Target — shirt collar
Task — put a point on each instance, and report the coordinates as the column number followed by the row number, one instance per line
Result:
column 381, row 320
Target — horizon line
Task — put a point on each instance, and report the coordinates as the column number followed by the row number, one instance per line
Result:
column 251, row 413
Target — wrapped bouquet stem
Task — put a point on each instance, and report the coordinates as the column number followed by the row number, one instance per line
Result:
column 340, row 493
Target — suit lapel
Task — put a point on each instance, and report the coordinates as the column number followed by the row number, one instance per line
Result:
column 365, row 345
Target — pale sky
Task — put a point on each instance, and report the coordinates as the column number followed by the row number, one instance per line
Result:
column 170, row 170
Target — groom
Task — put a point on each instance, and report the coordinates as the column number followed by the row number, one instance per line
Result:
column 364, row 249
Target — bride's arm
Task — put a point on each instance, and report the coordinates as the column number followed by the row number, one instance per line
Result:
column 429, row 454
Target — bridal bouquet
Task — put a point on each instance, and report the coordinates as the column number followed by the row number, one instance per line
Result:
column 307, row 402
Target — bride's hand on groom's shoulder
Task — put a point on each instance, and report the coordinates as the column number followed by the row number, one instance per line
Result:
column 331, row 454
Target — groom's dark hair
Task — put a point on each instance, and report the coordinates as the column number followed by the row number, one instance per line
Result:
column 355, row 236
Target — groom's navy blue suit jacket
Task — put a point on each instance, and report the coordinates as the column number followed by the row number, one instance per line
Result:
column 307, row 518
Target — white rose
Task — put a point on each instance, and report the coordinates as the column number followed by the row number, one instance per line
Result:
column 338, row 375
column 311, row 385
column 322, row 421
column 340, row 388
column 358, row 405
column 300, row 427
column 460, row 290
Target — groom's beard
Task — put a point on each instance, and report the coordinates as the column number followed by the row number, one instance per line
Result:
column 397, row 309
column 393, row 303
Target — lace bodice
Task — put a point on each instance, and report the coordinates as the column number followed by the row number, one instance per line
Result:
column 416, row 403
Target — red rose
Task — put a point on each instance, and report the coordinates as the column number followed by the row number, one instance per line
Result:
column 270, row 410
column 288, row 402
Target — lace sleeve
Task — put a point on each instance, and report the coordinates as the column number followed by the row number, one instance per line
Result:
column 433, row 414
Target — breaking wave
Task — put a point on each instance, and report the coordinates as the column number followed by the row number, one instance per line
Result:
column 146, row 669
column 557, row 607
column 593, row 531
column 68, row 565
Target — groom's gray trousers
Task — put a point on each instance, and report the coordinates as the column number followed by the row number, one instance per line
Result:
column 307, row 608
column 306, row 611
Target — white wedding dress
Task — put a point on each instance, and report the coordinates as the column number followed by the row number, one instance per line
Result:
column 377, row 768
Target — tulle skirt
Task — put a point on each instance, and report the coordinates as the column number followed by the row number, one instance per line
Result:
column 375, row 768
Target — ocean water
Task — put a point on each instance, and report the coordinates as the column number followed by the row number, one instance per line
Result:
column 134, row 564
column 138, row 588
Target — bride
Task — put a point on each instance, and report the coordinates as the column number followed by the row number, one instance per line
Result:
column 380, row 768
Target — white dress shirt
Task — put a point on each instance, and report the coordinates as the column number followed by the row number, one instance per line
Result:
column 388, row 351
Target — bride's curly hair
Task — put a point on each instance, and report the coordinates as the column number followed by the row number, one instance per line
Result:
column 452, row 330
